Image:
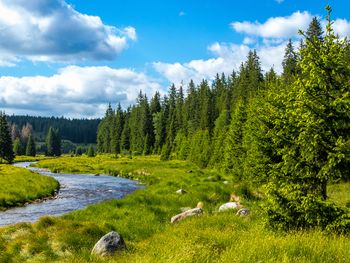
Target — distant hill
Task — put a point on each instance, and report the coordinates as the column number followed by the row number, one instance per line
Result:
column 75, row 130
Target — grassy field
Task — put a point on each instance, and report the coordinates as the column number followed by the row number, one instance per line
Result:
column 18, row 186
column 143, row 219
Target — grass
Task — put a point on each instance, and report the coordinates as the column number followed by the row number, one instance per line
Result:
column 24, row 158
column 143, row 219
column 18, row 186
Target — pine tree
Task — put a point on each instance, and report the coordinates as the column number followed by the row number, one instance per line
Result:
column 6, row 147
column 53, row 143
column 91, row 151
column 17, row 147
column 30, row 149
column 310, row 139
column 314, row 32
column 289, row 63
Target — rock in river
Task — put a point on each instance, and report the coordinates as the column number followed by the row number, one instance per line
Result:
column 109, row 244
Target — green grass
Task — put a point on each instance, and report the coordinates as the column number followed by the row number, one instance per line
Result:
column 143, row 219
column 18, row 186
column 24, row 158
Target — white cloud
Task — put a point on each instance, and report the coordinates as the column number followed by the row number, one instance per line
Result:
column 341, row 27
column 74, row 91
column 279, row 1
column 227, row 57
column 54, row 30
column 275, row 27
column 182, row 13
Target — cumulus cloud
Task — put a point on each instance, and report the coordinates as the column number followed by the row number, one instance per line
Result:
column 42, row 30
column 74, row 91
column 227, row 57
column 275, row 27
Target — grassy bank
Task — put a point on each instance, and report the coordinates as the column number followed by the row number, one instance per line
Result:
column 18, row 186
column 143, row 219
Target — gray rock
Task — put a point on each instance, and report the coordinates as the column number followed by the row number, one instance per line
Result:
column 181, row 191
column 243, row 212
column 109, row 244
column 184, row 209
column 229, row 206
column 188, row 213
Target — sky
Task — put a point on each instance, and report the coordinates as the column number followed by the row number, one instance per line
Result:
column 72, row 57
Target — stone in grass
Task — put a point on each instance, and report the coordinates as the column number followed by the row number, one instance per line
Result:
column 109, row 244
column 181, row 191
column 229, row 206
column 243, row 212
column 192, row 212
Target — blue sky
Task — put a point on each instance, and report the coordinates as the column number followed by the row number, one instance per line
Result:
column 72, row 57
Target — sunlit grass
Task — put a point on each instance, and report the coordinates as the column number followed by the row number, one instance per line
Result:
column 18, row 186
column 143, row 219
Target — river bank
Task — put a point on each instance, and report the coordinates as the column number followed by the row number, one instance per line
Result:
column 76, row 192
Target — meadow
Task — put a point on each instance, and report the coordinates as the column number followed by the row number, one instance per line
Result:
column 19, row 186
column 143, row 219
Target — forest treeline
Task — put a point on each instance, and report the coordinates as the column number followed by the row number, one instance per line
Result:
column 288, row 132
column 75, row 130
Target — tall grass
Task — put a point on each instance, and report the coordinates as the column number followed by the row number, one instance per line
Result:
column 143, row 219
column 18, row 186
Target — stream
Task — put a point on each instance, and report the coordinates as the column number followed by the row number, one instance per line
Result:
column 76, row 192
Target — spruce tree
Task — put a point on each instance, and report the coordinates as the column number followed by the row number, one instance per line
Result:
column 6, row 147
column 310, row 138
column 30, row 149
column 289, row 63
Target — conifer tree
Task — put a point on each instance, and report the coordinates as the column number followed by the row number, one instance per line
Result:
column 289, row 63
column 17, row 147
column 310, row 138
column 6, row 147
column 30, row 149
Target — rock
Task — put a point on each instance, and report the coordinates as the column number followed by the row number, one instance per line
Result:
column 181, row 191
column 109, row 244
column 184, row 209
column 229, row 206
column 225, row 182
column 192, row 212
column 243, row 212
column 97, row 174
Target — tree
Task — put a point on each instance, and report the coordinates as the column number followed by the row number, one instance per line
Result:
column 314, row 31
column 310, row 138
column 53, row 143
column 30, row 149
column 289, row 63
column 17, row 147
column 6, row 147
column 91, row 151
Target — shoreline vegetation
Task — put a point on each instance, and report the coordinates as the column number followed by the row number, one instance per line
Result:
column 143, row 219
column 19, row 187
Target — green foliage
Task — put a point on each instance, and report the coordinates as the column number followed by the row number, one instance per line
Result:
column 310, row 138
column 6, row 147
column 30, row 149
column 91, row 151
column 18, row 147
column 53, row 143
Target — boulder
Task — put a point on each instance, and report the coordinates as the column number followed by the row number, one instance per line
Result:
column 243, row 212
column 109, row 244
column 181, row 191
column 229, row 206
column 192, row 212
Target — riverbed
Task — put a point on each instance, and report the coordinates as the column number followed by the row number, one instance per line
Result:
column 76, row 192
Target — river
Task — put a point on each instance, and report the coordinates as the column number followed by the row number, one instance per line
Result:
column 76, row 192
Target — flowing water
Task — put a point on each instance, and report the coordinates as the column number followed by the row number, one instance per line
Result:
column 76, row 192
